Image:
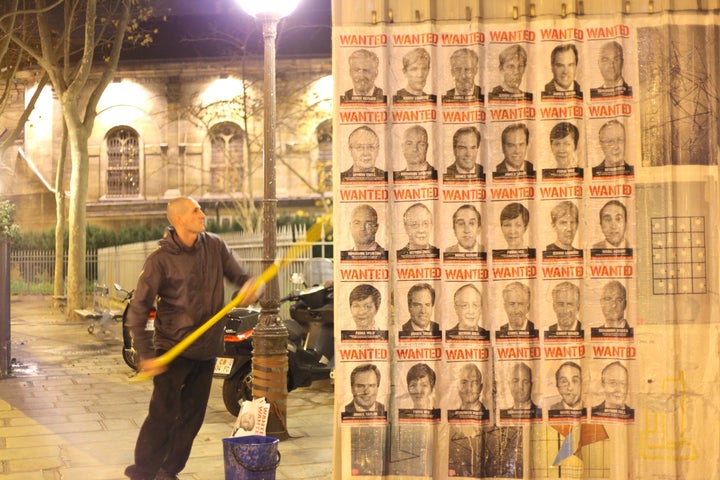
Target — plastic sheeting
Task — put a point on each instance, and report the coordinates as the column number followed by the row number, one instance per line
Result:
column 525, row 229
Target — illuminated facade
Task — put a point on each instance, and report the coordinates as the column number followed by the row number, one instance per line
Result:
column 180, row 128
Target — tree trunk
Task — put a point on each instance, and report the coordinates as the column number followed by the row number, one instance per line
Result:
column 76, row 280
column 59, row 277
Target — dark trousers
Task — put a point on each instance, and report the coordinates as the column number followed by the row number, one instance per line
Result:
column 177, row 410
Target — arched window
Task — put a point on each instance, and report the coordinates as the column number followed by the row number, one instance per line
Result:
column 123, row 172
column 226, row 161
column 324, row 136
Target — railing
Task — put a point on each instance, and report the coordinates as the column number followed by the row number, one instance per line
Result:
column 32, row 271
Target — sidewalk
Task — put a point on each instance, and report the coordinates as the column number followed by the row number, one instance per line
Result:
column 69, row 412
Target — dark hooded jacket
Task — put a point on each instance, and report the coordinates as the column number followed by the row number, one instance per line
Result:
column 188, row 284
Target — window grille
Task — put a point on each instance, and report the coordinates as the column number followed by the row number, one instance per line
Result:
column 123, row 173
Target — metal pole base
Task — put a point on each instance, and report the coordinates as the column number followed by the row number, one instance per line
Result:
column 270, row 370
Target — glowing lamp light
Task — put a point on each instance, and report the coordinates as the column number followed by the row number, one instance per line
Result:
column 272, row 8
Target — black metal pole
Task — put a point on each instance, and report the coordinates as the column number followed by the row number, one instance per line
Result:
column 270, row 363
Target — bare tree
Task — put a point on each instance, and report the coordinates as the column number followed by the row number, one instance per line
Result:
column 293, row 110
column 78, row 45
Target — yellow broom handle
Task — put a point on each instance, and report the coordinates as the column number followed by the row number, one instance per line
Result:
column 293, row 252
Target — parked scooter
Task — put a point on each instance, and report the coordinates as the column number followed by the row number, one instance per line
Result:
column 235, row 364
column 128, row 351
column 311, row 342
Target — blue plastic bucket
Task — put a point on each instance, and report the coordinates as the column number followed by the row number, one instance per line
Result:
column 253, row 457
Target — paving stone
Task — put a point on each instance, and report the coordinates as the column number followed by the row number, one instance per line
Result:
column 69, row 412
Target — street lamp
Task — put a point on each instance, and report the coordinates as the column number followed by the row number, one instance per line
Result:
column 270, row 364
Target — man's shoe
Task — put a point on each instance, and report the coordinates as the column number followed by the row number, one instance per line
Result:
column 163, row 475
column 133, row 475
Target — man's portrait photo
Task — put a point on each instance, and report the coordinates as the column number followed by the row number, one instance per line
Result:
column 564, row 138
column 421, row 306
column 469, row 382
column 564, row 221
column 363, row 229
column 363, row 69
column 515, row 139
column 414, row 146
column 612, row 143
column 610, row 63
column 466, row 145
column 566, row 305
column 467, row 303
column 563, row 62
column 418, row 224
column 517, row 299
column 568, row 381
column 513, row 62
column 364, row 148
column 464, row 64
column 614, row 380
column 416, row 68
column 613, row 223
column 364, row 385
column 420, row 380
column 467, row 228
column 520, row 385
column 613, row 304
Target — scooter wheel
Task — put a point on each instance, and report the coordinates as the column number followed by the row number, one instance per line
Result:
column 237, row 389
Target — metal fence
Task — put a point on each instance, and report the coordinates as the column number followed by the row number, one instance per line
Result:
column 32, row 271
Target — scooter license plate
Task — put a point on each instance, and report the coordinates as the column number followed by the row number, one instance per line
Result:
column 223, row 365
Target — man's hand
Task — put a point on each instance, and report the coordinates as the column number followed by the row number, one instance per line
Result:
column 253, row 290
column 151, row 367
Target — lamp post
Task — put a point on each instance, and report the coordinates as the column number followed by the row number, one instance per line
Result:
column 270, row 364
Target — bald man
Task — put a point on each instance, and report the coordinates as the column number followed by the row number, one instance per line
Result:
column 186, row 273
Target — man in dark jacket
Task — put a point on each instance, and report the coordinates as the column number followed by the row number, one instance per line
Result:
column 186, row 274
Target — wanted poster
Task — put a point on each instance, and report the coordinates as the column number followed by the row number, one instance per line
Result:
column 466, row 243
column 414, row 152
column 463, row 56
column 564, row 299
column 563, row 151
column 414, row 86
column 564, row 396
column 363, row 73
column 563, row 235
column 516, row 315
column 364, row 152
column 463, row 162
column 611, row 229
column 364, row 239
column 514, row 240
column 416, row 311
column 418, row 226
column 364, row 313
column 466, row 318
column 467, row 403
column 610, row 307
column 366, row 395
column 487, row 241
column 517, row 391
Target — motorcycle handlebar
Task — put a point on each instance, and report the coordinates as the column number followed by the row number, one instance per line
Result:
column 128, row 293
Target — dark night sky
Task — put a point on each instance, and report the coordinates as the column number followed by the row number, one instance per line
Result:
column 215, row 28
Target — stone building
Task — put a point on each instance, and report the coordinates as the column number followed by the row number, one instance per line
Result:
column 187, row 126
